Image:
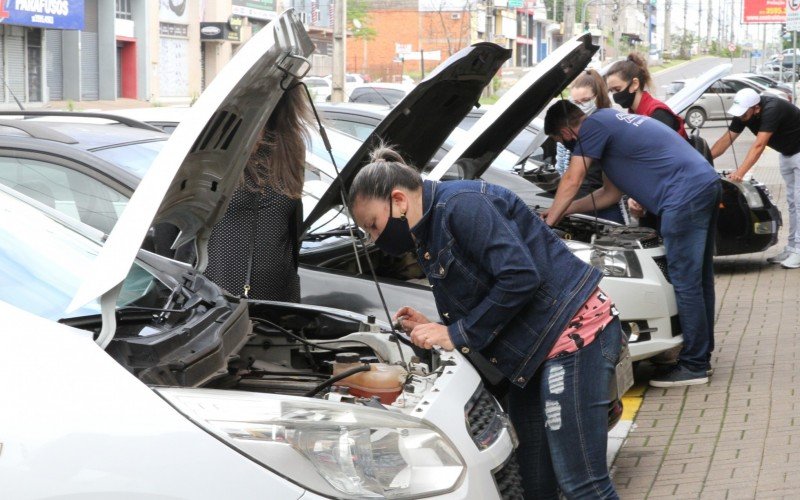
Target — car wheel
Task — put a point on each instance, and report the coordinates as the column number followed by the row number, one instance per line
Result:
column 696, row 117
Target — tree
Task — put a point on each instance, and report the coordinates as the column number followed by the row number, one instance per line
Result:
column 555, row 9
column 357, row 10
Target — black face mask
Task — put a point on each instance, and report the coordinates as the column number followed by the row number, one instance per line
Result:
column 395, row 239
column 570, row 144
column 624, row 98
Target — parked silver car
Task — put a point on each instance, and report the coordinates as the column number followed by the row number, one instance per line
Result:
column 715, row 102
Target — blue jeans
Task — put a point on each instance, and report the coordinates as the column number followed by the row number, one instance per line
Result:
column 561, row 418
column 689, row 233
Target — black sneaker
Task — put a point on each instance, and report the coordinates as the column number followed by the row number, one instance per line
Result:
column 680, row 376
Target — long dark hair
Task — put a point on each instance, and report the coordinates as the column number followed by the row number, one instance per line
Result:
column 632, row 67
column 385, row 172
column 592, row 79
column 278, row 157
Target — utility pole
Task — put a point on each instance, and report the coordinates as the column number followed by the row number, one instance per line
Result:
column 569, row 18
column 709, row 24
column 720, row 31
column 489, row 89
column 699, row 26
column 649, row 30
column 684, row 53
column 339, row 50
column 732, row 18
column 668, row 26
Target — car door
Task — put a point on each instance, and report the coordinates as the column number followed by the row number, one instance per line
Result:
column 718, row 99
column 68, row 187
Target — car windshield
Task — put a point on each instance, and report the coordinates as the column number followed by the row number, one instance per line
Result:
column 506, row 160
column 136, row 158
column 43, row 262
column 342, row 145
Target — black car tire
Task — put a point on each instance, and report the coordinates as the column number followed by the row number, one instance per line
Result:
column 695, row 118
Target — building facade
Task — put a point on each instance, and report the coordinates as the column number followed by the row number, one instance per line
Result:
column 156, row 50
column 531, row 38
column 28, row 31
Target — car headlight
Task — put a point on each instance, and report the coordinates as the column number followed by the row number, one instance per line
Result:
column 613, row 263
column 335, row 449
column 751, row 195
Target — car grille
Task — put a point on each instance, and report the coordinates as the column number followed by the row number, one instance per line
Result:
column 653, row 242
column 509, row 481
column 482, row 413
column 661, row 262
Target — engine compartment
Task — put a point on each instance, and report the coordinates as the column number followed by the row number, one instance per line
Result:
column 205, row 338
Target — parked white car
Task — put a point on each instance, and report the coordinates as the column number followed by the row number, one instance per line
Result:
column 150, row 382
column 320, row 88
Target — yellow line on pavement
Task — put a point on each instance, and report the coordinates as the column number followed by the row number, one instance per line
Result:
column 632, row 401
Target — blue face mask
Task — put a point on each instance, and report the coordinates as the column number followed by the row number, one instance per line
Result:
column 395, row 239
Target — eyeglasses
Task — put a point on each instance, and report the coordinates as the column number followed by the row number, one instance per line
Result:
column 584, row 100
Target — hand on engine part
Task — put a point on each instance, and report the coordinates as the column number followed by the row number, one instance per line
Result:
column 408, row 318
column 430, row 334
column 636, row 209
column 736, row 176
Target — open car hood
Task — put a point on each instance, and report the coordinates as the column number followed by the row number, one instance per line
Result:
column 191, row 181
column 694, row 88
column 516, row 108
column 420, row 123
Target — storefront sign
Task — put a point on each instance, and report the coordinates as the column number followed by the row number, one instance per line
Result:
column 55, row 14
column 235, row 23
column 763, row 11
column 792, row 15
column 257, row 9
column 171, row 29
column 219, row 32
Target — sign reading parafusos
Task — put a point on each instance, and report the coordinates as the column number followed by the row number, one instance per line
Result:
column 58, row 14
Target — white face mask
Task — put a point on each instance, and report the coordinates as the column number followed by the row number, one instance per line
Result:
column 587, row 107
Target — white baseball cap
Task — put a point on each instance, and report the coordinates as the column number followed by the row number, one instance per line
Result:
column 744, row 100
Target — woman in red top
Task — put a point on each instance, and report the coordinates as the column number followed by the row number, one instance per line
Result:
column 627, row 80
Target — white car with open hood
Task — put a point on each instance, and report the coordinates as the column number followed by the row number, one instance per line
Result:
column 124, row 374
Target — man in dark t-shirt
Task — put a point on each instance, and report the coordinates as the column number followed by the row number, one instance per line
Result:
column 647, row 160
column 775, row 123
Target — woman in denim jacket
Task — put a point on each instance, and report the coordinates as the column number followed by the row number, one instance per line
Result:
column 506, row 286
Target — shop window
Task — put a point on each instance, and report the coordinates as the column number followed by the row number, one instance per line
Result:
column 124, row 9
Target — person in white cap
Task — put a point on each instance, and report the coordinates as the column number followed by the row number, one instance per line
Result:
column 775, row 123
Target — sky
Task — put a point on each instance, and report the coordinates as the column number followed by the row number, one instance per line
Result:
column 742, row 32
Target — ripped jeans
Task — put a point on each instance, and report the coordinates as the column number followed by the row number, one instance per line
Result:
column 561, row 418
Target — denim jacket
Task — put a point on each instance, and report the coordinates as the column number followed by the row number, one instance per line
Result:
column 504, row 283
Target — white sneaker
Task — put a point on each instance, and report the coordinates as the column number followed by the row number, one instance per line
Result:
column 791, row 262
column 776, row 259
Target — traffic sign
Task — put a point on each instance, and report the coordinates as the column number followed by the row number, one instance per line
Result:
column 792, row 15
column 731, row 46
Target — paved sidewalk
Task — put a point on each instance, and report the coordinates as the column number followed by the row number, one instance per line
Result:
column 738, row 436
